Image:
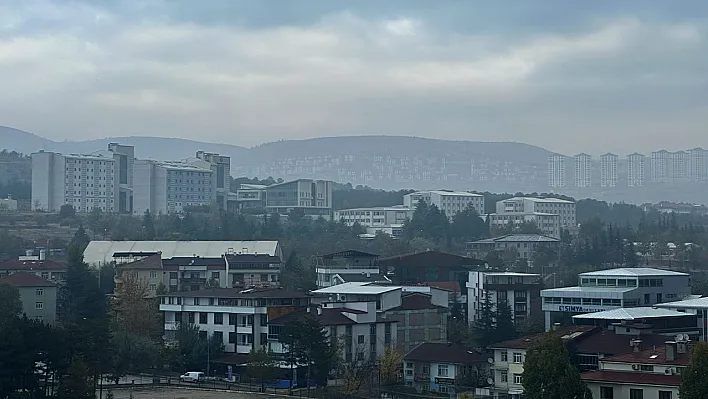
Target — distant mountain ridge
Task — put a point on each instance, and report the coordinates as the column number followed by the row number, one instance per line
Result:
column 379, row 161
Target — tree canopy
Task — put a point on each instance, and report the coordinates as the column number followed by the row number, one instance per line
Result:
column 549, row 373
column 694, row 379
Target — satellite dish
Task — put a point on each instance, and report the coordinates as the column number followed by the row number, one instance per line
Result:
column 678, row 337
column 490, row 381
column 490, row 361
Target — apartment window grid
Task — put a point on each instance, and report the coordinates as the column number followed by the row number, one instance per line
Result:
column 443, row 370
column 636, row 393
column 39, row 305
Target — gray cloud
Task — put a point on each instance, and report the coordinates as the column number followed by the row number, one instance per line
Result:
column 603, row 77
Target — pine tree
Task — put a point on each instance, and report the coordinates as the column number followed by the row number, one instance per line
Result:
column 694, row 379
column 549, row 373
column 148, row 225
column 504, row 326
column 80, row 240
column 78, row 383
column 484, row 327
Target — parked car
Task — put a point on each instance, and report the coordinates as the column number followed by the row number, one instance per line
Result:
column 192, row 376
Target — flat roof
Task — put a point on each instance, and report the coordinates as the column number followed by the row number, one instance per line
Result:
column 588, row 290
column 536, row 199
column 378, row 208
column 509, row 274
column 357, row 288
column 517, row 238
column 446, row 192
column 631, row 314
column 696, row 303
column 632, row 272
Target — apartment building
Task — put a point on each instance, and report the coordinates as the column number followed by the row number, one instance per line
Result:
column 531, row 205
column 449, row 202
column 422, row 317
column 698, row 164
column 518, row 290
column 38, row 295
column 548, row 223
column 313, row 197
column 248, row 196
column 583, row 170
column 389, row 219
column 100, row 180
column 613, row 289
column 220, row 167
column 43, row 268
column 608, row 170
column 345, row 265
column 556, row 171
column 443, row 367
column 662, row 166
column 524, row 244
column 148, row 271
column 240, row 318
column 169, row 187
column 429, row 267
column 636, row 170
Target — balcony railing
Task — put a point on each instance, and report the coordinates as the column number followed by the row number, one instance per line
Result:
column 194, row 280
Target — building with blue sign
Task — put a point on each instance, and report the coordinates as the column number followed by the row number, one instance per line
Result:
column 613, row 289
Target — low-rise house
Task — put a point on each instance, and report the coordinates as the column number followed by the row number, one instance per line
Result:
column 347, row 266
column 44, row 268
column 148, row 270
column 420, row 319
column 648, row 374
column 532, row 247
column 445, row 368
column 38, row 295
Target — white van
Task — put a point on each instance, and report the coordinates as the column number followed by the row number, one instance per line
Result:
column 192, row 376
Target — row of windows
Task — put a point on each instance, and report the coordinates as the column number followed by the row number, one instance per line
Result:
column 634, row 393
column 218, row 318
column 504, row 377
column 611, row 282
column 584, row 301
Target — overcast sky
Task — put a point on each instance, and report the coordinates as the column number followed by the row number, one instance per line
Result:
column 570, row 76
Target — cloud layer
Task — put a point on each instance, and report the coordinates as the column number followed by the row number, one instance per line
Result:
column 594, row 80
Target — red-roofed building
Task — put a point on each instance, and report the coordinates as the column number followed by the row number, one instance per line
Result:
column 44, row 268
column 38, row 296
column 651, row 373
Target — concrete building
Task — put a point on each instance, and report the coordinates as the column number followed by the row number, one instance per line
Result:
column 556, row 171
column 608, row 170
column 681, row 166
column 548, row 223
column 691, row 305
column 526, row 245
column 428, row 267
column 647, row 374
column 529, row 205
column 698, row 164
column 101, row 180
column 662, row 166
column 449, row 202
column 375, row 219
column 636, row 170
column 240, row 318
column 148, row 270
column 248, row 196
column 614, row 289
column 422, row 317
column 169, row 187
column 220, row 167
column 443, row 367
column 313, row 197
column 518, row 290
column 38, row 296
column 642, row 320
column 8, row 204
column 346, row 264
column 40, row 267
column 583, row 170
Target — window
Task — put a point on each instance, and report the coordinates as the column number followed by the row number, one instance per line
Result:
column 39, row 305
column 517, row 379
column 173, row 275
column 504, row 376
column 214, row 275
column 409, row 365
column 442, row 370
column 607, row 393
column 636, row 394
column 409, row 372
column 153, row 274
column 232, row 319
column 39, row 292
column 360, row 339
column 203, row 318
column 504, row 356
column 264, row 320
column 219, row 335
column 665, row 395
column 218, row 318
column 517, row 357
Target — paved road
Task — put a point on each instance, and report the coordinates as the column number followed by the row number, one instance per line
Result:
column 176, row 393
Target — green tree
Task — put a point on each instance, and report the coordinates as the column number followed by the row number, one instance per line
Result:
column 468, row 226
column 148, row 225
column 80, row 240
column 262, row 366
column 504, row 326
column 78, row 383
column 131, row 354
column 694, row 379
column 67, row 211
column 484, row 327
column 549, row 373
column 10, row 303
column 308, row 344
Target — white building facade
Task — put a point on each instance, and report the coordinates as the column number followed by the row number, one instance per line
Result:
column 583, row 170
column 169, row 187
column 636, row 170
column 608, row 170
column 449, row 202
column 313, row 197
column 529, row 205
column 556, row 171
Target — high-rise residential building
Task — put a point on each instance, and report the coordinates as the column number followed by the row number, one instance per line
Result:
column 449, row 202
column 220, row 166
column 169, row 187
column 681, row 165
column 635, row 170
column 583, row 170
column 543, row 206
column 556, row 171
column 662, row 164
column 100, row 180
column 698, row 164
column 608, row 170
column 313, row 197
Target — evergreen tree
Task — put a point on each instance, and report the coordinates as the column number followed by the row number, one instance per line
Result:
column 10, row 303
column 148, row 225
column 468, row 226
column 549, row 373
column 484, row 327
column 80, row 240
column 694, row 379
column 308, row 344
column 261, row 366
column 78, row 383
column 504, row 326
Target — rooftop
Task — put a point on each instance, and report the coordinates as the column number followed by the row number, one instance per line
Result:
column 510, row 274
column 609, row 343
column 148, row 263
column 696, row 303
column 357, row 288
column 632, row 272
column 456, row 193
column 363, row 278
column 16, row 264
column 628, row 377
column 588, row 290
column 445, row 353
column 566, row 333
column 536, row 199
column 517, row 238
column 631, row 314
column 24, row 279
column 349, row 253
column 428, row 258
column 416, row 301
column 377, row 208
column 239, row 293
column 655, row 355
column 325, row 316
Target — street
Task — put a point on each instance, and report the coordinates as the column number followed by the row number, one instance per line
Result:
column 177, row 393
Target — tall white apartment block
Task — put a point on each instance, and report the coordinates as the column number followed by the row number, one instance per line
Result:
column 662, row 164
column 556, row 171
column 698, row 164
column 530, row 205
column 169, row 187
column 100, row 180
column 220, row 165
column 681, row 165
column 449, row 202
column 608, row 170
column 635, row 169
column 583, row 170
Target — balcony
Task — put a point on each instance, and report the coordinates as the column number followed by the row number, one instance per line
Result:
column 193, row 280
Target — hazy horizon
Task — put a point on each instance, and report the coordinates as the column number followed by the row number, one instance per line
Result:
column 595, row 78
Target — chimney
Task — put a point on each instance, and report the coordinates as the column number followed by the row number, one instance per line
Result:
column 555, row 326
column 29, row 252
column 682, row 347
column 308, row 309
column 670, row 350
column 636, row 344
column 42, row 254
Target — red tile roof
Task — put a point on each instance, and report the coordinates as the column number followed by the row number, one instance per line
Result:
column 570, row 333
column 24, row 279
column 608, row 343
column 16, row 264
column 453, row 286
column 446, row 353
column 628, row 377
column 651, row 356
column 147, row 263
column 416, row 301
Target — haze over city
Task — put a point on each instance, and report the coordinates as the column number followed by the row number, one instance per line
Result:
column 570, row 77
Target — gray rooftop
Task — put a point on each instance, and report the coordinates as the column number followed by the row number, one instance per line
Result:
column 590, row 290
column 517, row 238
column 630, row 314
column 696, row 303
column 632, row 272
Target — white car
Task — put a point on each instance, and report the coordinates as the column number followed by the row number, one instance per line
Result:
column 192, row 376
